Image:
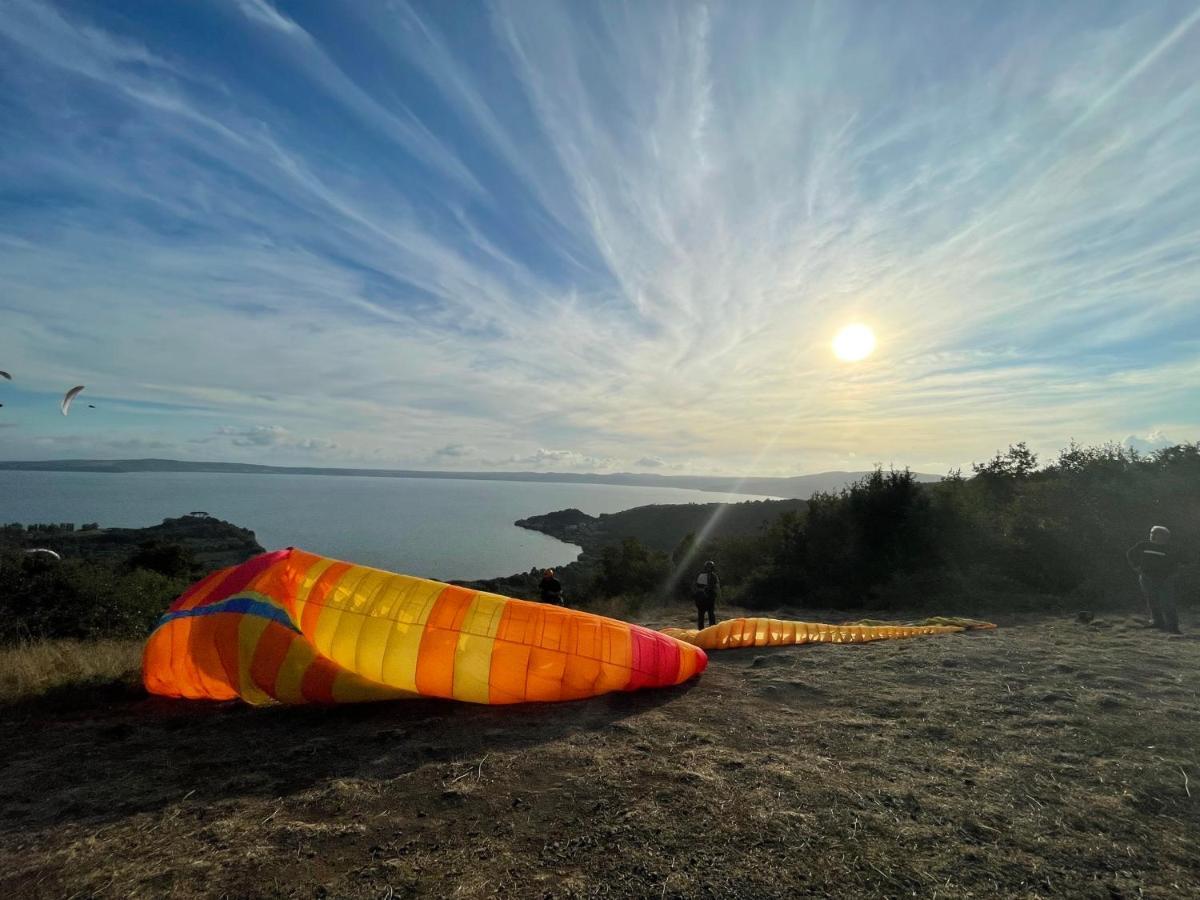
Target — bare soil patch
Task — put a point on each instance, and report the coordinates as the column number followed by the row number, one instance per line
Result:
column 1046, row 758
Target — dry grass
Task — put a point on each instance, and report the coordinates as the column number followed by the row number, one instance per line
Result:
column 1047, row 758
column 31, row 670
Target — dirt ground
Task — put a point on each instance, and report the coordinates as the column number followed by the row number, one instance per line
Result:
column 1047, row 758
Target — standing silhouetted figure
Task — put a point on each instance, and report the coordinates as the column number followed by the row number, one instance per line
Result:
column 551, row 588
column 706, row 591
column 1156, row 561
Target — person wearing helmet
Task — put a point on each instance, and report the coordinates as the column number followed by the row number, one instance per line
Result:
column 1156, row 561
column 705, row 591
column 551, row 588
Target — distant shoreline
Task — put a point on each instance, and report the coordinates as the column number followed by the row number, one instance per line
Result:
column 793, row 487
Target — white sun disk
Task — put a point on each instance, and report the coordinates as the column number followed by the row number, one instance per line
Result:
column 854, row 342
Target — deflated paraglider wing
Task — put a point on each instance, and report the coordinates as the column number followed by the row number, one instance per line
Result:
column 69, row 396
column 299, row 628
column 761, row 632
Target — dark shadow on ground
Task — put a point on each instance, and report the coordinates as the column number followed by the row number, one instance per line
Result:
column 126, row 753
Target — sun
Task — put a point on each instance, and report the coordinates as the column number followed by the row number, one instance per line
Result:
column 854, row 342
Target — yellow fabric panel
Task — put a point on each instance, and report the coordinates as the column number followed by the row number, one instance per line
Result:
column 400, row 655
column 370, row 647
column 411, row 600
column 404, row 607
column 291, row 674
column 326, row 630
column 250, row 629
column 346, row 593
column 477, row 637
column 351, row 688
column 343, row 648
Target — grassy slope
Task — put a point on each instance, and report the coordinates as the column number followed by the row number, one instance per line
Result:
column 61, row 667
column 1046, row 758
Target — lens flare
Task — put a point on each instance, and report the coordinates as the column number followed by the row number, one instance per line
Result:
column 854, row 342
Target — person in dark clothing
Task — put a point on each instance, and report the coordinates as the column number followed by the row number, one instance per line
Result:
column 551, row 588
column 706, row 590
column 1156, row 562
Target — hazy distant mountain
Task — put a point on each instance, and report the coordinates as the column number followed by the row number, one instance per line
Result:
column 798, row 486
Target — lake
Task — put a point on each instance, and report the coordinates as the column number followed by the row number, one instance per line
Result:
column 438, row 528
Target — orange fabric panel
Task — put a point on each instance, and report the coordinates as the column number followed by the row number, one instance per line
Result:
column 317, row 684
column 209, row 671
column 583, row 668
column 687, row 664
column 546, row 671
column 519, row 624
column 435, row 664
column 510, row 669
column 183, row 666
column 157, row 665
column 272, row 649
column 199, row 592
column 189, row 679
column 224, row 627
column 276, row 582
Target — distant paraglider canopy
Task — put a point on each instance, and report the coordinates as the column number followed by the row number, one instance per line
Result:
column 69, row 396
column 5, row 376
column 760, row 632
column 43, row 551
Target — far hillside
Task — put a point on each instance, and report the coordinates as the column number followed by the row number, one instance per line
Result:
column 768, row 486
column 662, row 526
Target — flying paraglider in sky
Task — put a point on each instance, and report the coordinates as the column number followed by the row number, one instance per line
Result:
column 5, row 376
column 299, row 628
column 43, row 552
column 759, row 632
column 70, row 396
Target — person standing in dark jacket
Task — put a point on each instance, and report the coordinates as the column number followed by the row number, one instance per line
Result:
column 551, row 588
column 706, row 591
column 1156, row 562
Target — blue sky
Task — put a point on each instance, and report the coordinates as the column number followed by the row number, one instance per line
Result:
column 597, row 236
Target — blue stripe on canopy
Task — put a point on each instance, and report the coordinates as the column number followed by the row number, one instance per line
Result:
column 250, row 606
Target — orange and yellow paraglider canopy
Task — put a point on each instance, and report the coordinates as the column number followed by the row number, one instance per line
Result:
column 299, row 628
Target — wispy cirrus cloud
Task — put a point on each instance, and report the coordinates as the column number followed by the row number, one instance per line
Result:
column 420, row 233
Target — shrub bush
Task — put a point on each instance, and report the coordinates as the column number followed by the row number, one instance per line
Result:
column 1049, row 536
column 74, row 598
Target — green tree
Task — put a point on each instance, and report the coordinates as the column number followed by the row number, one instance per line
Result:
column 630, row 568
column 169, row 559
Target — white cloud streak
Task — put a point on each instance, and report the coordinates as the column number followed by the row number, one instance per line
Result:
column 637, row 230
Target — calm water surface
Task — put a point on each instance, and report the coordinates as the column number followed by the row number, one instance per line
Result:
column 432, row 527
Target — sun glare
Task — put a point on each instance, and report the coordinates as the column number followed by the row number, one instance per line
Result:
column 854, row 342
